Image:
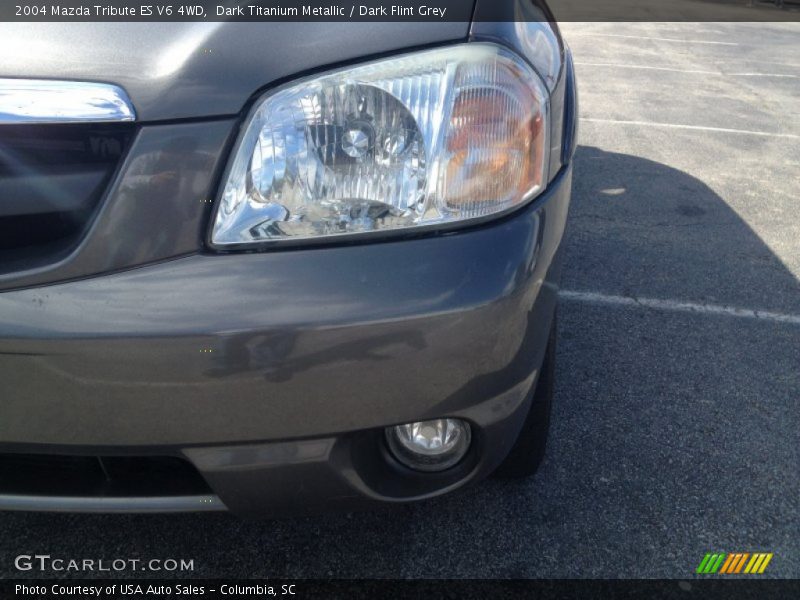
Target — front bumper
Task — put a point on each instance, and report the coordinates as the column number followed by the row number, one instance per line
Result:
column 275, row 373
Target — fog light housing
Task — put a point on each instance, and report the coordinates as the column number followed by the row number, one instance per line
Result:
column 430, row 445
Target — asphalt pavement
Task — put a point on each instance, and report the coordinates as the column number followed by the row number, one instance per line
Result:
column 676, row 426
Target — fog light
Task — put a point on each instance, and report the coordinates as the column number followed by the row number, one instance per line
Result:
column 429, row 445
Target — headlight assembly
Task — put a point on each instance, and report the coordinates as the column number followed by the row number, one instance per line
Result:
column 424, row 139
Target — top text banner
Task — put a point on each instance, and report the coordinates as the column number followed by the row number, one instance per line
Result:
column 398, row 10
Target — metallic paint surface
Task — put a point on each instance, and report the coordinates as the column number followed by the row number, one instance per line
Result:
column 189, row 70
column 236, row 348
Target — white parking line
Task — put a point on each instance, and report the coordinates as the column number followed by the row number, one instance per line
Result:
column 646, row 67
column 657, row 39
column 770, row 62
column 673, row 70
column 680, row 306
column 791, row 136
column 784, row 75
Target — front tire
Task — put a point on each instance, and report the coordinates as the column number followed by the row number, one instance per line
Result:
column 528, row 451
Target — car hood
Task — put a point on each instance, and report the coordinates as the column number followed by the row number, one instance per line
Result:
column 190, row 70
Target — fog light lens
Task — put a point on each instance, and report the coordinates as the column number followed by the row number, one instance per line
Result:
column 430, row 445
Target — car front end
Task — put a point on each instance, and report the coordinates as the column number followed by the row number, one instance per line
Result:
column 282, row 272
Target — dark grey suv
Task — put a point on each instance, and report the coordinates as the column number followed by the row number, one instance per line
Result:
column 277, row 267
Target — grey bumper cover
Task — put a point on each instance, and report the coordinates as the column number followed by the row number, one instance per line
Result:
column 207, row 355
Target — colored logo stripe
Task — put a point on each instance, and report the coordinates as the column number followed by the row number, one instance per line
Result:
column 734, row 562
column 738, row 563
column 758, row 563
column 710, row 563
column 728, row 562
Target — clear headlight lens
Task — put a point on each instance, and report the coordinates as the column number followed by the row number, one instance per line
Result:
column 427, row 138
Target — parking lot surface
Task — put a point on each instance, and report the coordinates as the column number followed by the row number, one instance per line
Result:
column 676, row 426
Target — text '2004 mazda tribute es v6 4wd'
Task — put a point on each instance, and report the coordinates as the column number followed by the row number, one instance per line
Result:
column 259, row 267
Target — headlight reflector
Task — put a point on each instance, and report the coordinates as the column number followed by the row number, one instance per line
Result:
column 427, row 138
